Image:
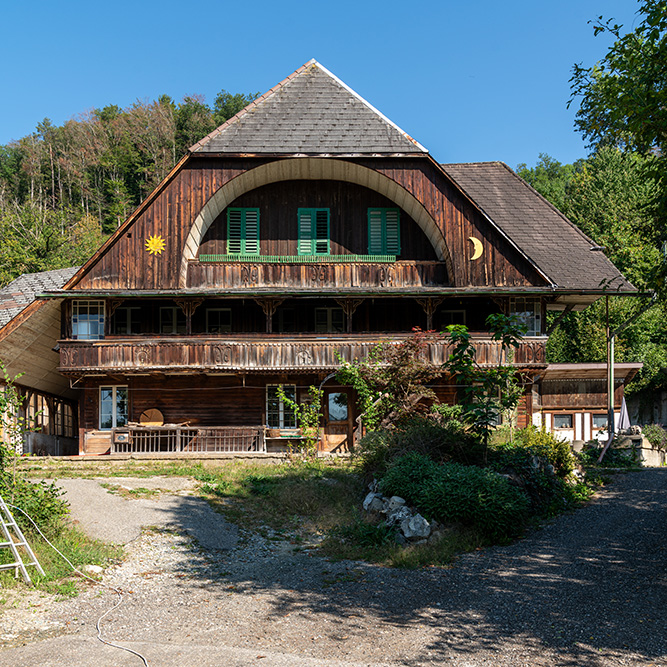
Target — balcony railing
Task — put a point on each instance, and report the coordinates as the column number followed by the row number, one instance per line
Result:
column 262, row 353
column 365, row 271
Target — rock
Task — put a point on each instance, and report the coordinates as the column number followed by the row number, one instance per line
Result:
column 398, row 516
column 400, row 539
column 92, row 569
column 394, row 503
column 415, row 527
column 373, row 502
column 373, row 486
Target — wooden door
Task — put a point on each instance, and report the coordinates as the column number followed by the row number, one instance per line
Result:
column 338, row 425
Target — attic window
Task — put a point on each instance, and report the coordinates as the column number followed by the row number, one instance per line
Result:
column 384, row 233
column 243, row 231
column 313, row 231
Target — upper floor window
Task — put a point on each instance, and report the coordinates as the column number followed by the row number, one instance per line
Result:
column 243, row 231
column 314, row 231
column 126, row 320
column 329, row 320
column 172, row 320
column 529, row 313
column 384, row 233
column 218, row 320
column 87, row 320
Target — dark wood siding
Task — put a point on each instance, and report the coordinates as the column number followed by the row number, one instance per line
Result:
column 126, row 264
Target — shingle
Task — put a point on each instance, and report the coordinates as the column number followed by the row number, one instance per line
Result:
column 309, row 112
column 554, row 244
column 22, row 291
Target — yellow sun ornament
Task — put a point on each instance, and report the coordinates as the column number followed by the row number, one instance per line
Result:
column 155, row 245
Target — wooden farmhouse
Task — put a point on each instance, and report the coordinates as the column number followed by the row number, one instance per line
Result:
column 302, row 231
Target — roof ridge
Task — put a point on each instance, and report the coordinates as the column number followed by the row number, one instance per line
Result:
column 312, row 63
column 249, row 107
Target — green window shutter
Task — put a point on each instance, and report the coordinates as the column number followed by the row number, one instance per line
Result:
column 384, row 234
column 243, row 231
column 392, row 232
column 234, row 231
column 322, row 231
column 251, row 232
column 375, row 235
column 305, row 245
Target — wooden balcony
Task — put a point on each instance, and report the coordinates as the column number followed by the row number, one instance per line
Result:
column 299, row 274
column 259, row 353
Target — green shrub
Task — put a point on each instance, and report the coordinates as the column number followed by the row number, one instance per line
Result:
column 453, row 492
column 539, row 442
column 656, row 435
column 441, row 437
column 476, row 497
column 407, row 476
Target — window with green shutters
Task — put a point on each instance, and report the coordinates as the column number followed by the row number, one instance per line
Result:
column 384, row 231
column 243, row 231
column 313, row 231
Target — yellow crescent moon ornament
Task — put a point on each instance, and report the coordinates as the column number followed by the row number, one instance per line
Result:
column 478, row 248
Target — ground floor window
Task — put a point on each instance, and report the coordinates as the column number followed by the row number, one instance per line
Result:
column 562, row 421
column 113, row 407
column 278, row 415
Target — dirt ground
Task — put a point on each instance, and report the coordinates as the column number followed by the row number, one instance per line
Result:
column 587, row 589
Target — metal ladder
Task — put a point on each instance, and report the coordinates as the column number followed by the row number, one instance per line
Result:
column 15, row 541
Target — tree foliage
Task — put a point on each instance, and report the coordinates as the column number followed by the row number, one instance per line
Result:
column 63, row 189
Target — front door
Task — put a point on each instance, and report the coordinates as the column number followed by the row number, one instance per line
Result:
column 337, row 421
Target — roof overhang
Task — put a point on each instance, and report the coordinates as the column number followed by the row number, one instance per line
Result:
column 592, row 371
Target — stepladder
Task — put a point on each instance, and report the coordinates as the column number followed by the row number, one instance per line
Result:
column 22, row 556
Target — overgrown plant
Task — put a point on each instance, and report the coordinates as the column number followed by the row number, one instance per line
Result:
column 392, row 382
column 485, row 393
column 308, row 416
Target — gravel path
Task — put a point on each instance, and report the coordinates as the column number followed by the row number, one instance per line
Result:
column 587, row 589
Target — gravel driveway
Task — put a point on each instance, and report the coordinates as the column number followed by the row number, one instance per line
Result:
column 587, row 589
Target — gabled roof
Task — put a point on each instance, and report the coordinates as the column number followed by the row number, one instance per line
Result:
column 22, row 291
column 312, row 112
column 542, row 233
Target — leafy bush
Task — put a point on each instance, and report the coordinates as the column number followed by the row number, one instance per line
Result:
column 656, row 435
column 452, row 492
column 614, row 458
column 441, row 438
column 540, row 443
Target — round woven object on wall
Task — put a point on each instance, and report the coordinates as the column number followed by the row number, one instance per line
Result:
column 151, row 417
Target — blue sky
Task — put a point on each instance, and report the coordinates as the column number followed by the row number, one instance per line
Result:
column 482, row 80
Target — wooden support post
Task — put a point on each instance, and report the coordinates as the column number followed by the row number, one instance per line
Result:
column 188, row 306
column 430, row 305
column 269, row 306
column 349, row 307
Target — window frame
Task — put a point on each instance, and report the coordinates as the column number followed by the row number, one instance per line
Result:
column 562, row 414
column 115, row 389
column 127, row 310
column 226, row 328
column 248, row 244
column 530, row 317
column 176, row 312
column 329, row 325
column 380, row 222
column 285, row 417
column 312, row 242
column 95, row 332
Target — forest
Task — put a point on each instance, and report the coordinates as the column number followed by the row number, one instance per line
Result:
column 64, row 189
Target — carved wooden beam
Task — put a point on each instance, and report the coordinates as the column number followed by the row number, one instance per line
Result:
column 349, row 307
column 269, row 306
column 430, row 305
column 188, row 306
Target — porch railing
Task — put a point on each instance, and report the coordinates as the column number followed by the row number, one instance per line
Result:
column 189, row 439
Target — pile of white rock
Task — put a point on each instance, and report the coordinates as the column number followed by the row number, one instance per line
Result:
column 411, row 527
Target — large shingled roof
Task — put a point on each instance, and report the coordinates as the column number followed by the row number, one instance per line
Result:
column 22, row 291
column 311, row 112
column 558, row 248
